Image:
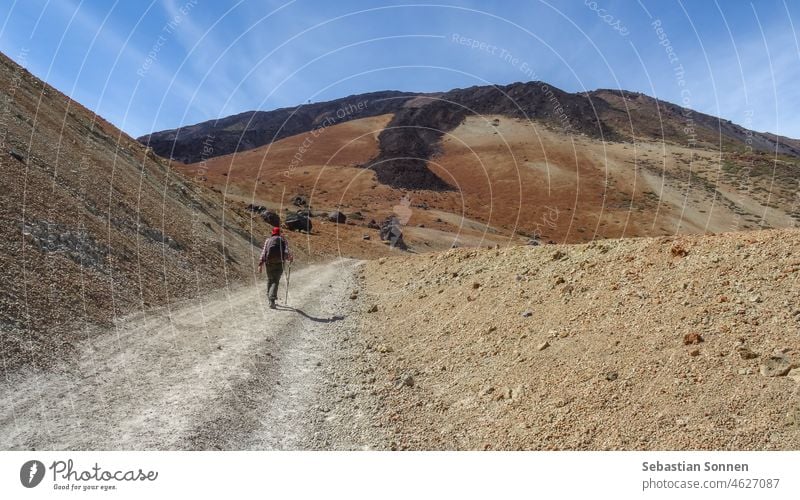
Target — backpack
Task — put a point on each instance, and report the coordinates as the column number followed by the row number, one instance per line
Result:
column 276, row 250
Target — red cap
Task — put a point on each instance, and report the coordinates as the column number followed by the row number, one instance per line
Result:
column 276, row 231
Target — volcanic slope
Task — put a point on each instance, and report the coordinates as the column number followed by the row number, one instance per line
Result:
column 647, row 343
column 95, row 226
column 512, row 178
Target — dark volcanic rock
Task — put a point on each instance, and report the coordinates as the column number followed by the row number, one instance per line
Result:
column 251, row 129
column 271, row 218
column 391, row 231
column 337, row 217
column 413, row 135
column 298, row 222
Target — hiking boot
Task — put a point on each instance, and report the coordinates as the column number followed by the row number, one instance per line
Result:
column 272, row 304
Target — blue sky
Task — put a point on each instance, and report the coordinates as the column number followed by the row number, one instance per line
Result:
column 208, row 59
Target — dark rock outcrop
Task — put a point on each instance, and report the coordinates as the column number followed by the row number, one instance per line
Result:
column 392, row 233
column 252, row 129
column 271, row 218
column 337, row 217
column 298, row 222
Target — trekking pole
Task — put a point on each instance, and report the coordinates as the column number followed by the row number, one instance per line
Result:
column 288, row 274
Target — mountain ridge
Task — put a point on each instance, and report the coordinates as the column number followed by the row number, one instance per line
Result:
column 168, row 144
column 420, row 121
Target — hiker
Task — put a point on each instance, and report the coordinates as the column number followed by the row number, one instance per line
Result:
column 275, row 254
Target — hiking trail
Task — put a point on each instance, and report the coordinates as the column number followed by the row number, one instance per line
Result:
column 216, row 372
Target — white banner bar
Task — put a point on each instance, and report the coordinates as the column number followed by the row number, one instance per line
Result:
column 388, row 475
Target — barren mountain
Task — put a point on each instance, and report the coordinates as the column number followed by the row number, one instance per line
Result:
column 94, row 226
column 509, row 179
column 412, row 137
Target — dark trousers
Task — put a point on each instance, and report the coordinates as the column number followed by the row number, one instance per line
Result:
column 274, row 273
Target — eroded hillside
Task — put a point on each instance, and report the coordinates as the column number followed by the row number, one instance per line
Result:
column 94, row 226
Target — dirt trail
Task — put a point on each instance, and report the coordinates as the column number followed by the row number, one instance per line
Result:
column 221, row 372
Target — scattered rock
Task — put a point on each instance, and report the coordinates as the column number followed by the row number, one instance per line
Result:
column 692, row 338
column 476, row 285
column 678, row 250
column 544, row 345
column 365, row 237
column 746, row 352
column 255, row 208
column 406, row 381
column 505, row 393
column 527, row 314
column 270, row 217
column 694, row 353
column 612, row 376
column 777, row 365
column 298, row 222
column 794, row 374
column 384, row 349
column 353, row 296
column 392, row 233
column 17, row 155
column 337, row 217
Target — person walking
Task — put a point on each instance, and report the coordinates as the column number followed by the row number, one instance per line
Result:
column 274, row 255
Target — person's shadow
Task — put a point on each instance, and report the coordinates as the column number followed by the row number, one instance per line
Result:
column 308, row 316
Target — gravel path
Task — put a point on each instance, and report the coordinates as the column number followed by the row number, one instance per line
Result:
column 221, row 372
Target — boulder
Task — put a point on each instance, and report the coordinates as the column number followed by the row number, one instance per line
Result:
column 271, row 218
column 17, row 155
column 390, row 232
column 337, row 217
column 777, row 365
column 298, row 222
column 256, row 208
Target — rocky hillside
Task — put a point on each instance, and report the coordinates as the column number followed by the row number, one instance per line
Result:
column 648, row 344
column 94, row 226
